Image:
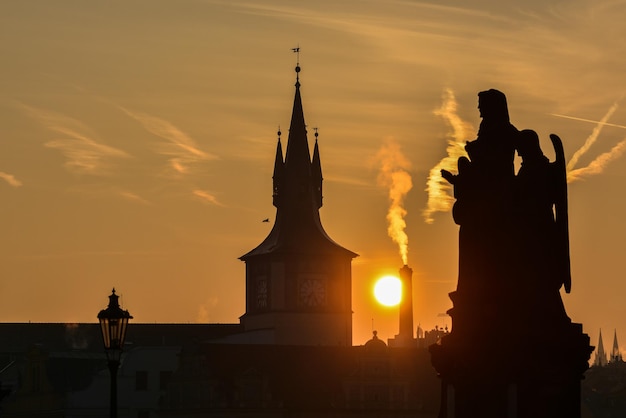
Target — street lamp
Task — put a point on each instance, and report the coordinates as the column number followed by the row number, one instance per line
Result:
column 113, row 323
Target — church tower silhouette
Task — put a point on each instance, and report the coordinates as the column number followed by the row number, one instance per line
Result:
column 298, row 280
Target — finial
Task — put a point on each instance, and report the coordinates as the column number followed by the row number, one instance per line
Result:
column 113, row 299
column 279, row 132
column 316, row 134
column 297, row 51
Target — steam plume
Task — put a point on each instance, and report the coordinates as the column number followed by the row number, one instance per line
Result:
column 393, row 175
column 439, row 190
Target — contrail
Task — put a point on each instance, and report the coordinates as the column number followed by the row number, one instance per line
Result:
column 588, row 120
column 439, row 190
column 597, row 166
column 591, row 139
column 393, row 175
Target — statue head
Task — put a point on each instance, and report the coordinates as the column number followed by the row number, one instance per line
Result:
column 492, row 106
column 528, row 145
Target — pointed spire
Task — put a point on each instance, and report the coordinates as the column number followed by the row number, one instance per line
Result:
column 297, row 194
column 616, row 356
column 316, row 172
column 278, row 171
column 297, row 156
column 600, row 360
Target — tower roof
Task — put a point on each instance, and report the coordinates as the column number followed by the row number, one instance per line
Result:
column 600, row 359
column 297, row 196
column 616, row 355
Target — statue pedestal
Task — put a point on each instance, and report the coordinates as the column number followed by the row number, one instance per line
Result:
column 523, row 371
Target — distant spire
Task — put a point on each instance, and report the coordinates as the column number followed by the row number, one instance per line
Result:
column 600, row 360
column 616, row 356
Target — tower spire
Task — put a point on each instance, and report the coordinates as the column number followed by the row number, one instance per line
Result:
column 616, row 356
column 298, row 278
column 297, row 192
column 600, row 360
column 277, row 177
column 316, row 172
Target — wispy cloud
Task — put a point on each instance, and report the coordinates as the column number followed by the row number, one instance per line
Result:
column 439, row 190
column 10, row 179
column 133, row 197
column 181, row 149
column 84, row 153
column 353, row 181
column 207, row 197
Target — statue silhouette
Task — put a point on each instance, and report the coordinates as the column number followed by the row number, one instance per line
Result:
column 539, row 255
column 512, row 350
column 483, row 189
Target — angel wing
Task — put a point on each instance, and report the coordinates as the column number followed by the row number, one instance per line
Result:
column 562, row 221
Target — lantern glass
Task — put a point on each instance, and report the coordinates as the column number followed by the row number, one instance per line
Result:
column 113, row 324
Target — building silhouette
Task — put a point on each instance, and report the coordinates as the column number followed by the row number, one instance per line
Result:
column 290, row 355
column 604, row 387
column 298, row 277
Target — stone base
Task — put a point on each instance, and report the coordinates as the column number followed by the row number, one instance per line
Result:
column 526, row 375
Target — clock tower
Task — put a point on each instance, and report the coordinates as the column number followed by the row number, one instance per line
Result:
column 298, row 280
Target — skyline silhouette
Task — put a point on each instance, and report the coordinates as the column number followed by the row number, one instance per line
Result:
column 134, row 145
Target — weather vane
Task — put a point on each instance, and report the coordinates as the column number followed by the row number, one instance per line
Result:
column 297, row 51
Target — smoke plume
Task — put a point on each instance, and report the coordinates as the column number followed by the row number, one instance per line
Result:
column 439, row 190
column 394, row 176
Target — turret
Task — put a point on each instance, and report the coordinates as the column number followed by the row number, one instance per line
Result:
column 278, row 171
column 316, row 173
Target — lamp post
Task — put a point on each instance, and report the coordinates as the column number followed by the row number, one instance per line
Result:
column 113, row 323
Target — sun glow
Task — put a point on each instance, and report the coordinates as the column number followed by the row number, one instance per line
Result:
column 388, row 290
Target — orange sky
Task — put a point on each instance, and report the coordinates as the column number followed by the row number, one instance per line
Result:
column 137, row 141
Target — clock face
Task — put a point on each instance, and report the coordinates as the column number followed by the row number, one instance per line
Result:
column 312, row 292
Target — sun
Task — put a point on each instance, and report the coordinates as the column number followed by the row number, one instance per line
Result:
column 388, row 290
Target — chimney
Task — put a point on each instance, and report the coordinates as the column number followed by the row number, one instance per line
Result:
column 406, row 305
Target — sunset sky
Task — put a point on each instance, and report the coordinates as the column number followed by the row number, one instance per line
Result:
column 137, row 141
